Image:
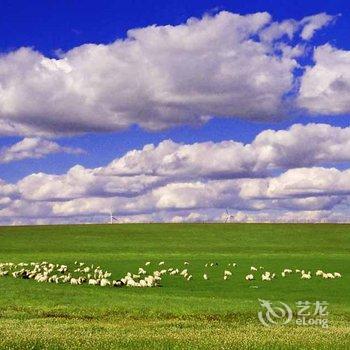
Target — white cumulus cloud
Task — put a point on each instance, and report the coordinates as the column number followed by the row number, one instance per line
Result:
column 158, row 77
column 33, row 148
column 325, row 86
column 279, row 172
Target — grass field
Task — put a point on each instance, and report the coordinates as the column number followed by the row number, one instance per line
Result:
column 198, row 314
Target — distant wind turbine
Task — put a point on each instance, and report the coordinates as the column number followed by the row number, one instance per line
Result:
column 112, row 219
column 228, row 217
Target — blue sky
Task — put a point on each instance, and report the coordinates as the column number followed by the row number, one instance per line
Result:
column 55, row 27
column 50, row 26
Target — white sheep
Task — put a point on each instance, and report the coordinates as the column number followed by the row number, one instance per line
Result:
column 305, row 275
column 265, row 277
column 249, row 277
column 104, row 282
column 142, row 271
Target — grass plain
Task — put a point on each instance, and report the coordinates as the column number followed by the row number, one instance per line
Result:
column 198, row 314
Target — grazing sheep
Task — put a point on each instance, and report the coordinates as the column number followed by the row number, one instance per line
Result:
column 143, row 283
column 42, row 278
column 118, row 283
column 249, row 277
column 265, row 277
column 183, row 272
column 56, row 273
column 53, row 279
column 157, row 278
column 104, row 282
column 305, row 275
column 131, row 283
column 150, row 280
column 62, row 269
column 142, row 271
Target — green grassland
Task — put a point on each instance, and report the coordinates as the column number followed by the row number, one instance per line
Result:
column 196, row 314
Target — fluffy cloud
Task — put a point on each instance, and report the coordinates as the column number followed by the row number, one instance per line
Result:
column 325, row 86
column 140, row 171
column 302, row 216
column 191, row 217
column 159, row 76
column 212, row 196
column 7, row 194
column 307, row 27
column 137, row 170
column 279, row 172
column 33, row 148
column 174, row 160
column 299, row 146
column 313, row 23
column 302, row 145
column 300, row 182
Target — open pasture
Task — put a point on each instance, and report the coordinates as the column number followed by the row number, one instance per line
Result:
column 200, row 313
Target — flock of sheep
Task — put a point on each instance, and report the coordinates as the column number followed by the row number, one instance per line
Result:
column 268, row 276
column 80, row 274
column 89, row 274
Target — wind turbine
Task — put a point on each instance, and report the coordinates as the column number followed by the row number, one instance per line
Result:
column 112, row 218
column 228, row 217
